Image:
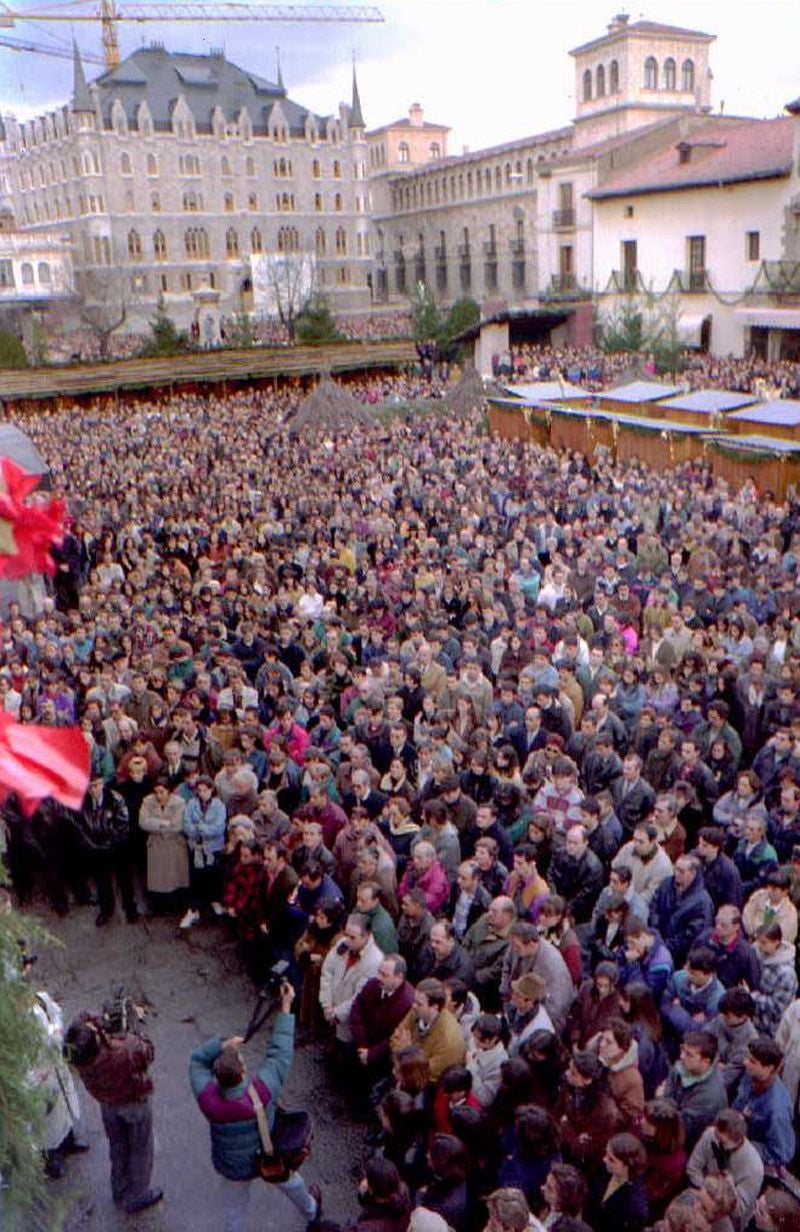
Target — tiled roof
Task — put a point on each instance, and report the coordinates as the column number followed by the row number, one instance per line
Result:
column 752, row 150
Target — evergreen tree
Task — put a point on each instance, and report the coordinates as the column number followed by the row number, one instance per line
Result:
column 316, row 323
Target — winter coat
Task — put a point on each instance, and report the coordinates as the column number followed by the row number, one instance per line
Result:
column 732, row 1047
column 52, row 1076
column 654, row 969
column 578, row 880
column 547, row 963
column 591, row 1013
column 443, row 1044
column 235, row 1140
column 340, row 981
column 755, row 862
column 626, row 1085
column 487, row 948
column 204, row 827
column 722, row 881
column 664, row 1178
column 788, row 1036
column 682, row 1000
column 778, row 988
column 433, row 883
column 587, row 1118
column 698, row 1099
column 744, row 1166
column 769, row 1120
column 680, row 918
column 102, row 826
column 758, row 910
column 625, row 1210
column 484, row 1064
column 646, row 875
column 736, row 961
column 167, row 853
column 373, row 1018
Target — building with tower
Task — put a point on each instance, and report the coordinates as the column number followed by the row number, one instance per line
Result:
column 174, row 175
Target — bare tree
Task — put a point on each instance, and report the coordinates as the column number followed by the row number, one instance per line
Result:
column 105, row 293
column 283, row 283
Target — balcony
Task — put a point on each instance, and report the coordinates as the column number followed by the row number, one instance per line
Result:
column 517, row 246
column 490, row 249
column 626, row 279
column 779, row 277
column 694, row 279
column 464, row 251
column 563, row 220
column 564, row 287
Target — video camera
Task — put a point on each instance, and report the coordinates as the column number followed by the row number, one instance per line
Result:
column 277, row 977
column 120, row 1013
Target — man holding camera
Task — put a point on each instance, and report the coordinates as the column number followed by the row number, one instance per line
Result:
column 222, row 1089
column 113, row 1062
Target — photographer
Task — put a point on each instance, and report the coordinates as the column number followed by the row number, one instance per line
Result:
column 113, row 1059
column 222, row 1088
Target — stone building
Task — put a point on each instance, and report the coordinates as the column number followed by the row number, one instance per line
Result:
column 513, row 224
column 176, row 175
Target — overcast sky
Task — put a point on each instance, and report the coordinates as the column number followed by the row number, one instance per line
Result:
column 494, row 70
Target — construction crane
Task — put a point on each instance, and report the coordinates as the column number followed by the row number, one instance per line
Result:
column 109, row 14
column 48, row 49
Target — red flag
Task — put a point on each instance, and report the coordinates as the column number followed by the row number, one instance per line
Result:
column 37, row 762
column 35, row 528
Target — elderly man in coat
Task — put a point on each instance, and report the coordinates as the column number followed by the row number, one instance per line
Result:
column 345, row 970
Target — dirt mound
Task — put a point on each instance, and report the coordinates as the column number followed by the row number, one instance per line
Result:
column 332, row 408
column 468, row 395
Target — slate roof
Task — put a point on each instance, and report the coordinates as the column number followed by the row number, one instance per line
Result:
column 644, row 27
column 784, row 413
column 640, row 391
column 206, row 82
column 753, row 150
column 709, row 401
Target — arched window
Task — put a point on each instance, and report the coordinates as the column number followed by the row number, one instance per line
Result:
column 159, row 246
column 252, row 202
column 650, row 73
column 669, row 74
column 155, row 203
column 228, row 202
column 256, row 243
column 403, row 152
column 152, row 165
column 134, row 244
column 319, row 242
column 613, row 77
column 687, row 75
column 225, row 165
column 435, row 151
column 601, row 81
column 231, row 243
column 587, row 86
column 337, row 202
column 125, row 165
column 26, row 273
column 43, row 273
column 341, row 241
column 337, row 169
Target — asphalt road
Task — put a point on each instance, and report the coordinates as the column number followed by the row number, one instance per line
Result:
column 195, row 987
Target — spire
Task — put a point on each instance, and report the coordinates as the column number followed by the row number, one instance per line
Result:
column 81, row 98
column 281, row 86
column 356, row 115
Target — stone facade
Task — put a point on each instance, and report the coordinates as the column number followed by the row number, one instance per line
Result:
column 173, row 173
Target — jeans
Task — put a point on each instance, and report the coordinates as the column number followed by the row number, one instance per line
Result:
column 236, row 1200
column 129, row 1129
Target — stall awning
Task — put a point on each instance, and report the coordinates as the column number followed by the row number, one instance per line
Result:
column 690, row 328
column 769, row 318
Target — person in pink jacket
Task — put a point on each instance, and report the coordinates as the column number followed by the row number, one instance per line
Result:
column 426, row 873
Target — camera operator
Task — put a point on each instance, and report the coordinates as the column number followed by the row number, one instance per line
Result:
column 113, row 1060
column 221, row 1086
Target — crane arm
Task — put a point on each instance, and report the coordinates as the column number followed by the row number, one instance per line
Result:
column 194, row 11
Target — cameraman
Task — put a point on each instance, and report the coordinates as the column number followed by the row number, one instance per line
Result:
column 221, row 1086
column 113, row 1062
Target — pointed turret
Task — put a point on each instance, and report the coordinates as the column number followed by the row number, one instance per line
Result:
column 356, row 115
column 281, row 86
column 81, row 98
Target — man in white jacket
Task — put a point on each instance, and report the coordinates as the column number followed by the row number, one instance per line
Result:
column 345, row 970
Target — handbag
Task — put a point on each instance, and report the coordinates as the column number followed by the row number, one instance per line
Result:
column 286, row 1149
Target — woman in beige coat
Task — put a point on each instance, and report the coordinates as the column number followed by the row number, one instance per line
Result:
column 161, row 818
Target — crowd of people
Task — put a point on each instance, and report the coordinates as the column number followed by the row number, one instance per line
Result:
column 498, row 749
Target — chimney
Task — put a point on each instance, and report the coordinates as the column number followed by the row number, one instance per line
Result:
column 415, row 115
column 618, row 22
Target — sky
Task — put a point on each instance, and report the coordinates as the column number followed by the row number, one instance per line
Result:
column 494, row 70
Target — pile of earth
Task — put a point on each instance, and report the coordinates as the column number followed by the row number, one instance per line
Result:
column 332, row 408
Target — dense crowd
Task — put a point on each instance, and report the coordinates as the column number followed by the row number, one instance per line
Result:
column 497, row 749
